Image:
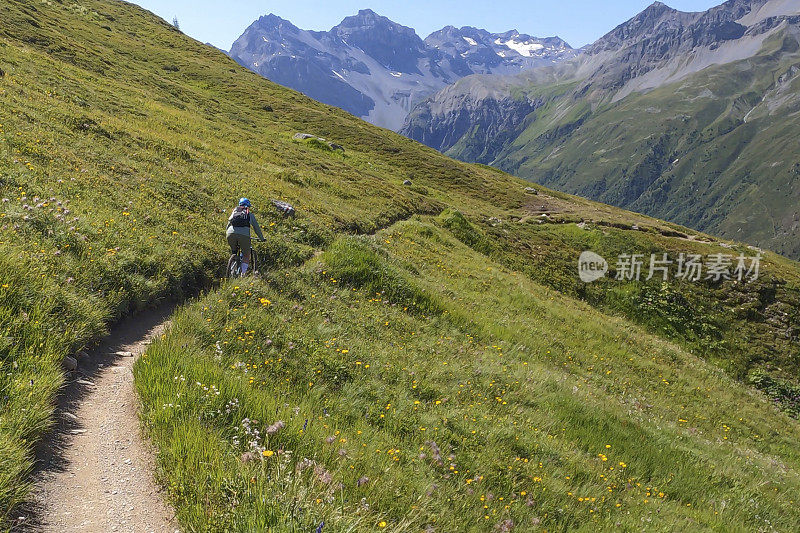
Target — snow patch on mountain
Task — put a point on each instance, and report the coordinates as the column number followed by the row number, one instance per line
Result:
column 522, row 48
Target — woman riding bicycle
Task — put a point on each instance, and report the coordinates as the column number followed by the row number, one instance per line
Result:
column 238, row 232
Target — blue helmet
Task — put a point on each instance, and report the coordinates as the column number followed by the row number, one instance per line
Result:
column 244, row 202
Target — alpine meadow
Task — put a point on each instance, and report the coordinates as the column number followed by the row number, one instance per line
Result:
column 416, row 352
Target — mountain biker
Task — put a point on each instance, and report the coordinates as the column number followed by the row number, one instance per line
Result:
column 238, row 231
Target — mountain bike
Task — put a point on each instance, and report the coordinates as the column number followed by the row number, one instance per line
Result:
column 235, row 263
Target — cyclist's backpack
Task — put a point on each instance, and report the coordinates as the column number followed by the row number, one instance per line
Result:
column 240, row 217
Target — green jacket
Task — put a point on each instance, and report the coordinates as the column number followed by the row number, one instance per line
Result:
column 245, row 230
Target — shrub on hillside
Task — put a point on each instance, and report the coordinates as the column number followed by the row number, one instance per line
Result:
column 465, row 231
column 356, row 262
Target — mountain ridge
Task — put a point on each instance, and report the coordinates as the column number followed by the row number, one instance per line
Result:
column 377, row 69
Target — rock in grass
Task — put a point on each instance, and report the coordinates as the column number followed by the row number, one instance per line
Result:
column 531, row 190
column 276, row 427
column 284, row 208
column 249, row 457
column 334, row 146
column 70, row 363
column 304, row 136
column 407, row 183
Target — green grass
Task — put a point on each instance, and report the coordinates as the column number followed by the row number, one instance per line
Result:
column 741, row 327
column 515, row 403
column 123, row 144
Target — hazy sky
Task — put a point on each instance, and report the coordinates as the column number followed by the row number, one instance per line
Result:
column 577, row 21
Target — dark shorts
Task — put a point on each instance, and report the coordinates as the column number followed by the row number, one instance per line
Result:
column 239, row 242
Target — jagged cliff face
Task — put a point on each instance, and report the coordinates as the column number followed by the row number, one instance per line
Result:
column 377, row 69
column 662, row 38
column 685, row 116
column 473, row 118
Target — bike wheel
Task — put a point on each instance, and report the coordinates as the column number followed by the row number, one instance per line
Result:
column 253, row 262
column 234, row 267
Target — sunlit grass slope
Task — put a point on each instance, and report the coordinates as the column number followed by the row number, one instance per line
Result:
column 404, row 382
column 123, row 144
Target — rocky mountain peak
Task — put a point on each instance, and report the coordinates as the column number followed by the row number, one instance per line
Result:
column 492, row 49
column 396, row 46
column 658, row 6
column 273, row 21
column 656, row 18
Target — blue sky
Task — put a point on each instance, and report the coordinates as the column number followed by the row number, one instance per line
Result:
column 578, row 21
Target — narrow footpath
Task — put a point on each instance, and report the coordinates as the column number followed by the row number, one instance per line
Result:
column 95, row 471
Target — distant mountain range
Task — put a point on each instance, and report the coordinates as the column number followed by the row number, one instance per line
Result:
column 691, row 117
column 379, row 70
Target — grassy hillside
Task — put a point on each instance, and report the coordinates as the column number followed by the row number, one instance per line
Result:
column 405, row 382
column 123, row 145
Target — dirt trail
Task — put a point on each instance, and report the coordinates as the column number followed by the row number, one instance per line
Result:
column 95, row 472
